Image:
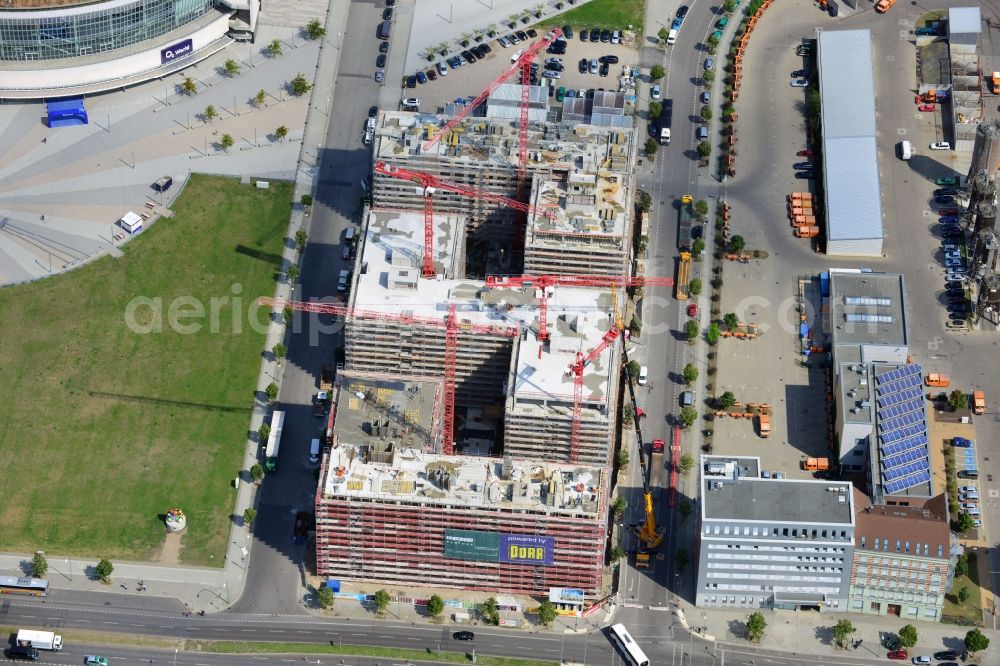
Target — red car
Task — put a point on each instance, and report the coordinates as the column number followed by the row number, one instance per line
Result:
column 897, row 654
column 657, row 446
column 948, row 211
column 692, row 310
column 805, row 153
column 926, row 107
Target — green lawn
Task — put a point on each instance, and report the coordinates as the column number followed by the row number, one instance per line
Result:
column 103, row 429
column 971, row 610
column 610, row 14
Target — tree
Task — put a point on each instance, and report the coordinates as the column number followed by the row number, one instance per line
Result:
column 226, row 142
column 962, row 565
column 690, row 373
column 729, row 6
column 489, row 611
column 382, row 601
column 707, row 78
column 685, row 510
column 681, row 559
column 623, row 458
column 712, row 40
column 756, row 624
column 704, row 149
column 697, row 246
column 210, row 113
column 249, row 515
column 656, row 72
column 958, row 400
column 705, row 113
column 633, row 368
column 306, row 200
column 39, row 566
column 686, row 463
column 908, row 636
column 663, row 34
column 645, row 201
column 737, row 243
column 731, row 320
column 976, row 641
column 279, row 350
column 288, row 315
column 272, row 392
column 189, row 86
column 435, row 606
column 293, row 273
column 727, row 400
column 616, row 554
column 655, row 109
column 315, row 29
column 300, row 239
column 842, row 632
column 260, row 97
column 964, row 522
column 712, row 334
column 691, row 330
column 273, row 50
column 546, row 612
column 688, row 416
column 694, row 287
column 263, row 432
column 651, row 147
column 104, row 569
column 701, row 207
column 619, row 505
column 814, row 104
column 281, row 132
column 963, row 594
column 324, row 596
column 232, row 67
column 299, row 85
column 256, row 472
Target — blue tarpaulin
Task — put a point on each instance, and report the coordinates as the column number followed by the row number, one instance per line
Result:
column 66, row 112
column 333, row 584
column 803, row 330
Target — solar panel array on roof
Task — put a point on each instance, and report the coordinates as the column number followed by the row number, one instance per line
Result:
column 902, row 425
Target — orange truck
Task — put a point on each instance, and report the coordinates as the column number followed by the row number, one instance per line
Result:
column 816, row 464
column 800, row 196
column 978, row 402
column 995, row 83
column 804, row 220
column 882, row 6
column 936, row 379
column 806, row 231
column 764, row 425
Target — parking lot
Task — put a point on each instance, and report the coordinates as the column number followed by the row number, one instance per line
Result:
column 471, row 78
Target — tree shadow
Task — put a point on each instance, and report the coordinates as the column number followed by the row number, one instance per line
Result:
column 267, row 257
column 824, row 635
column 737, row 628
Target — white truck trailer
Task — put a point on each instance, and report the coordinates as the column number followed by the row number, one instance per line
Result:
column 40, row 640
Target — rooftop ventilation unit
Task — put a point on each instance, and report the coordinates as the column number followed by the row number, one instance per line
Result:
column 864, row 318
column 866, row 300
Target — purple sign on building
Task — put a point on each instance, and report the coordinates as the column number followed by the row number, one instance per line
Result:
column 176, row 51
column 527, row 549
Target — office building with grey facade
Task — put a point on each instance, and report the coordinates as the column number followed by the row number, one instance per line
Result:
column 772, row 543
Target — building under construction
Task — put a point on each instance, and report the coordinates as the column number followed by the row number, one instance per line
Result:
column 504, row 372
column 482, row 153
column 390, row 515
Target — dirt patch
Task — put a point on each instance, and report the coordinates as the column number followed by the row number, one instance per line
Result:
column 170, row 553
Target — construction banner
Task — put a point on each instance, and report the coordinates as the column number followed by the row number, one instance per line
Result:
column 472, row 545
column 526, row 549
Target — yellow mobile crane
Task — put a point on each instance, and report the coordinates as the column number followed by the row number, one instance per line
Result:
column 648, row 534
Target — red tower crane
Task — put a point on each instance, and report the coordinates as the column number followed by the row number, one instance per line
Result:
column 430, row 183
column 543, row 282
column 450, row 324
column 524, row 65
column 576, row 369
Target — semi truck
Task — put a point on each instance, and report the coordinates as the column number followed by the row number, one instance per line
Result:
column 656, row 467
column 40, row 640
column 685, row 223
column 683, row 277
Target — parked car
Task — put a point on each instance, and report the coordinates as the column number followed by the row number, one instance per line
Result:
column 567, row 31
column 896, row 654
column 463, row 636
column 940, row 145
column 722, row 22
column 616, row 37
column 411, row 101
column 512, row 39
column 442, row 69
column 922, row 659
column 682, row 11
column 926, row 107
column 942, row 191
column 383, row 47
column 802, row 165
column 809, row 175
column 593, row 66
column 654, row 92
column 552, row 74
column 949, row 181
column 709, row 63
column 799, row 83
column 584, row 65
column 948, row 219
column 432, row 74
column 692, row 310
column 605, row 36
column 502, row 41
column 944, row 200
column 380, row 77
column 605, row 69
column 387, row 14
column 94, row 660
column 968, row 489
column 522, row 35
column 421, row 77
column 610, row 59
column 951, row 210
column 584, row 35
column 717, row 36
column 805, row 153
column 653, row 129
column 800, row 74
column 469, row 56
column 945, row 655
column 954, row 324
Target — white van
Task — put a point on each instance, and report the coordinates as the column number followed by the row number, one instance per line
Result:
column 643, row 375
column 905, row 150
column 314, row 452
column 671, row 38
column 349, row 234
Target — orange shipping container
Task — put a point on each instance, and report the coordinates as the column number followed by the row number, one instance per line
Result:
column 807, row 232
column 815, row 464
column 936, row 379
column 804, row 220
